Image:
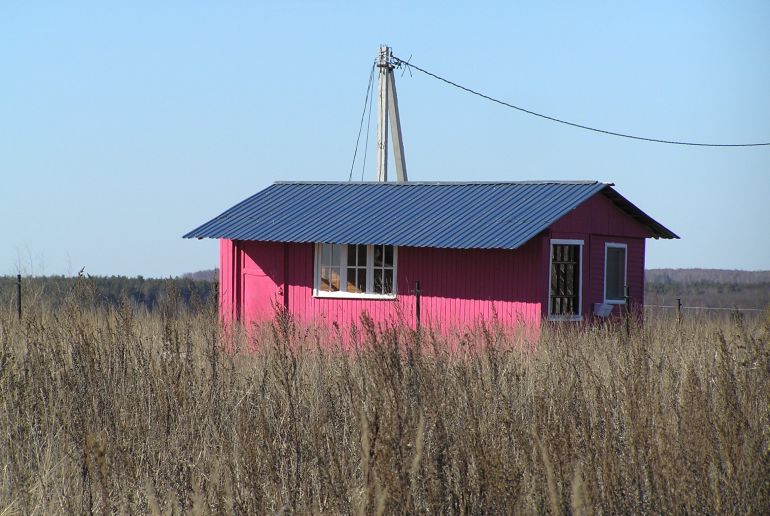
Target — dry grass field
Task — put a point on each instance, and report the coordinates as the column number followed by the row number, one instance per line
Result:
column 119, row 411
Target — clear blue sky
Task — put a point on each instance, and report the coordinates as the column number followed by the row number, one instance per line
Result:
column 122, row 127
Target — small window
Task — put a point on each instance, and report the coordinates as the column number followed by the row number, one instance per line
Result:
column 383, row 269
column 349, row 270
column 331, row 267
column 564, row 293
column 356, row 265
column 615, row 273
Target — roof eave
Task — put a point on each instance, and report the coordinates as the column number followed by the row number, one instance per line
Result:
column 658, row 230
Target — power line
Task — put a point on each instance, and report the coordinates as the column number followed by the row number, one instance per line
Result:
column 400, row 62
column 361, row 125
column 368, row 124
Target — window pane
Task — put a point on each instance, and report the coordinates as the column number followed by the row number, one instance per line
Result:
column 615, row 273
column 335, row 280
column 351, row 255
column 389, row 255
column 325, row 279
column 351, row 286
column 378, row 281
column 361, row 255
column 326, row 253
column 387, row 281
column 356, row 280
column 378, row 256
column 336, row 254
column 620, row 266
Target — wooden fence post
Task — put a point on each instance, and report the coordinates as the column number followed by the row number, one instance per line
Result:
column 628, row 309
column 18, row 296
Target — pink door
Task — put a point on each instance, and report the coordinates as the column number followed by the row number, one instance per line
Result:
column 260, row 293
column 261, row 278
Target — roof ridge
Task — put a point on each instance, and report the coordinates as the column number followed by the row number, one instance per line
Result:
column 447, row 183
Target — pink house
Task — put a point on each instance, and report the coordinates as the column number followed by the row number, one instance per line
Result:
column 516, row 252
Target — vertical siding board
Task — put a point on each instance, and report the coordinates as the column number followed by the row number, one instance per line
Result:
column 226, row 279
column 642, row 254
column 464, row 304
column 452, row 314
column 485, row 272
column 445, row 303
column 435, row 301
column 509, row 266
column 480, row 280
column 512, row 281
column 522, row 271
column 439, row 276
column 483, row 294
column 482, row 274
column 528, row 310
column 476, row 279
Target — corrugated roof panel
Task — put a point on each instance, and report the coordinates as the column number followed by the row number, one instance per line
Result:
column 450, row 215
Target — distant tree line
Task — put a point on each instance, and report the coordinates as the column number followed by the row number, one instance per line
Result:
column 709, row 294
column 706, row 276
column 204, row 275
column 110, row 291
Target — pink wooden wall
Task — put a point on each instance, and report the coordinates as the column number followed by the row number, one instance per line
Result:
column 596, row 222
column 227, row 282
column 459, row 287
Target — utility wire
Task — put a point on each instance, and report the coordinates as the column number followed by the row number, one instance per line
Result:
column 361, row 125
column 368, row 124
column 400, row 62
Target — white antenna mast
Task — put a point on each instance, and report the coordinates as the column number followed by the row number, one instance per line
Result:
column 387, row 106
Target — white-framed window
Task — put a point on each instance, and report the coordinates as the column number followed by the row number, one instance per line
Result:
column 615, row 273
column 355, row 270
column 565, row 280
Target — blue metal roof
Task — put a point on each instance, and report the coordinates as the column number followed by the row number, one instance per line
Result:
column 449, row 215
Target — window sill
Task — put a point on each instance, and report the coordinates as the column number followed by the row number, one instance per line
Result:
column 574, row 318
column 351, row 295
column 614, row 302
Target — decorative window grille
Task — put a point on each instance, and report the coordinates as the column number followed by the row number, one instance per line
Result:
column 564, row 298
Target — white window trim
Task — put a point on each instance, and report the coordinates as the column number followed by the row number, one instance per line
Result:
column 617, row 245
column 317, row 292
column 579, row 316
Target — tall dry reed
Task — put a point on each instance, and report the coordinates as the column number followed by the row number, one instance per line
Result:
column 118, row 411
